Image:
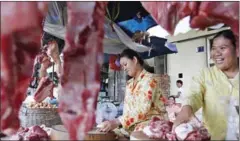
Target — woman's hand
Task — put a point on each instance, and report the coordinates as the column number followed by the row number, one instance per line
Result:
column 45, row 63
column 183, row 116
column 109, row 125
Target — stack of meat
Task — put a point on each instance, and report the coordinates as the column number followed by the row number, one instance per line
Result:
column 188, row 131
column 162, row 129
column 34, row 133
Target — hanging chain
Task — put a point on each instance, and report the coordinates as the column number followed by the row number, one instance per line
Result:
column 115, row 13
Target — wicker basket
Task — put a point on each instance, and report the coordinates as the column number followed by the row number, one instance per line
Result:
column 38, row 116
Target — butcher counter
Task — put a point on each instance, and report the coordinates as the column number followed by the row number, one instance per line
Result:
column 58, row 132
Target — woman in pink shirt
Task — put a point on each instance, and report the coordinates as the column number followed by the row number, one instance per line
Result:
column 172, row 108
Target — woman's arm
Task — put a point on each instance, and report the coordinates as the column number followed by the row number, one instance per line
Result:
column 53, row 52
column 109, row 125
column 58, row 67
column 193, row 101
column 45, row 63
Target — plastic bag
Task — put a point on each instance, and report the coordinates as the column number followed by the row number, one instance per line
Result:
column 233, row 120
column 56, row 19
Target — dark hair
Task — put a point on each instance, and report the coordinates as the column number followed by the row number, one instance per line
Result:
column 48, row 38
column 171, row 97
column 129, row 53
column 180, row 81
column 228, row 34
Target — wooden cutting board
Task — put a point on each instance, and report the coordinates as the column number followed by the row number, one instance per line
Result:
column 97, row 135
column 60, row 133
column 139, row 135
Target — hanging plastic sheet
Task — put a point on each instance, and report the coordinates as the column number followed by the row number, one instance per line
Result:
column 56, row 19
column 111, row 43
column 158, row 46
column 137, row 23
column 128, row 41
column 116, row 38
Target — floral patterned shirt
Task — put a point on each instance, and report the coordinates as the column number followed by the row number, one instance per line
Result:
column 143, row 100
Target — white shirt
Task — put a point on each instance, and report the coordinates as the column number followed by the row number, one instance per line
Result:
column 179, row 100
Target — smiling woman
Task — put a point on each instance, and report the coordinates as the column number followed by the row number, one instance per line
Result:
column 212, row 84
column 224, row 52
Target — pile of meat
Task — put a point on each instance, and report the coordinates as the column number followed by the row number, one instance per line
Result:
column 190, row 132
column 162, row 129
column 34, row 133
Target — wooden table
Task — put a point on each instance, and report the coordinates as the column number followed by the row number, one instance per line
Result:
column 139, row 135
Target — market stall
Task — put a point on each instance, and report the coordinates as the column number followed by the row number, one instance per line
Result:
column 80, row 100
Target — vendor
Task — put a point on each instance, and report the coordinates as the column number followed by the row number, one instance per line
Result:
column 209, row 87
column 53, row 47
column 48, row 58
column 172, row 108
column 142, row 97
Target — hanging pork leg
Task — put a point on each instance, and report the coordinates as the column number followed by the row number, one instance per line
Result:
column 80, row 80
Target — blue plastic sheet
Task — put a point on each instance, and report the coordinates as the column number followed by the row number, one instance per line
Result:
column 137, row 24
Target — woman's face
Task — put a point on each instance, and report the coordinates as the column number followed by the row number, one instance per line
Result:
column 223, row 53
column 171, row 101
column 129, row 65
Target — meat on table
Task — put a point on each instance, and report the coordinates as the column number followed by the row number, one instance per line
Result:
column 20, row 42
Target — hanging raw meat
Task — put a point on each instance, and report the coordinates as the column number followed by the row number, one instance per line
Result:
column 80, row 80
column 168, row 14
column 20, row 42
column 211, row 13
column 202, row 14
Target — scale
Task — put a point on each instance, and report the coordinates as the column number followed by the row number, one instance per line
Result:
column 106, row 111
column 237, row 108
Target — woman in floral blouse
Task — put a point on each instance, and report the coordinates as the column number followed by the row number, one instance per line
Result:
column 143, row 98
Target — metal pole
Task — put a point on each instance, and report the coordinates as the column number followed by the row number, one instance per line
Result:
column 114, row 85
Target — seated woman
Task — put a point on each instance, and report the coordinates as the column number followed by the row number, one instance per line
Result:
column 142, row 96
column 172, row 108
